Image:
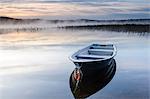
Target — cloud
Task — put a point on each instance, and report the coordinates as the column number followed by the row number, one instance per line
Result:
column 88, row 9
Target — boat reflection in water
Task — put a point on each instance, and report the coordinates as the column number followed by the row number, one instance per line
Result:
column 86, row 81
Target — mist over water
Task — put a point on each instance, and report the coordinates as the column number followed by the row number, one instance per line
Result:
column 38, row 31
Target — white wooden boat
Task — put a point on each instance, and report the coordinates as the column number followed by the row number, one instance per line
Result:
column 95, row 54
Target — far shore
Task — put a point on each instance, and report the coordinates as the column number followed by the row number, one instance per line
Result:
column 139, row 28
column 129, row 25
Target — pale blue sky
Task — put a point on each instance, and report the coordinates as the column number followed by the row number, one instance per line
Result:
column 92, row 9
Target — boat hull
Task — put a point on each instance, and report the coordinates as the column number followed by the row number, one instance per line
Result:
column 94, row 64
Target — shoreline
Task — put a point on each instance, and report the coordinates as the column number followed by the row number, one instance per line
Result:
column 140, row 28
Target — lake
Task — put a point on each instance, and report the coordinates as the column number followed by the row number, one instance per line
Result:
column 35, row 64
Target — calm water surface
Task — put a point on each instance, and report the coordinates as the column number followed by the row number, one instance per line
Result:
column 35, row 65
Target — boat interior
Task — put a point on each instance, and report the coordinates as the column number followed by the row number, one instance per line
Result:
column 96, row 51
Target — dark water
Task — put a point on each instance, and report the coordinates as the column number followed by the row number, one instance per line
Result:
column 35, row 65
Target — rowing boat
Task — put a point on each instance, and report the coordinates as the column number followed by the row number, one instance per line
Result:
column 94, row 55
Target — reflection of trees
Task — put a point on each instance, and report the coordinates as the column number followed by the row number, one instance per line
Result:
column 135, row 28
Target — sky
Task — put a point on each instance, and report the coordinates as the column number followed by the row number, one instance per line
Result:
column 76, row 9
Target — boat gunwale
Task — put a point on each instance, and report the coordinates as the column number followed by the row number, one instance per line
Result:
column 96, row 60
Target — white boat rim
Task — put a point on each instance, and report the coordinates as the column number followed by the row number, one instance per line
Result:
column 92, row 57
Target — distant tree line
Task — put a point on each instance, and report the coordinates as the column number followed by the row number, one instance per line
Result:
column 140, row 28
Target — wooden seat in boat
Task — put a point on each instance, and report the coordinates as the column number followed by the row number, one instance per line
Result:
column 91, row 56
